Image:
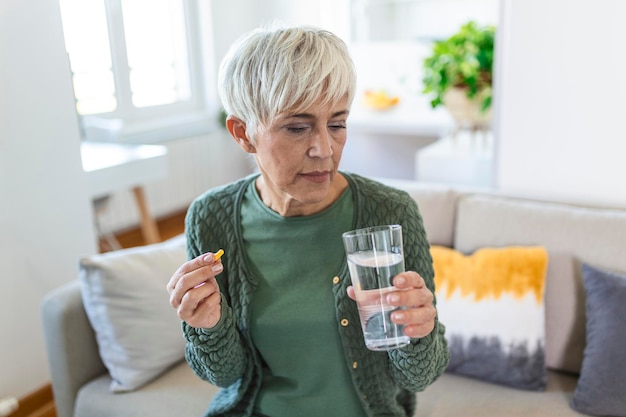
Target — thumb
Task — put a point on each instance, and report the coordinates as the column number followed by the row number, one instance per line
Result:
column 351, row 293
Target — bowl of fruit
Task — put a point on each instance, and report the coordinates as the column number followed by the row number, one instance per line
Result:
column 379, row 100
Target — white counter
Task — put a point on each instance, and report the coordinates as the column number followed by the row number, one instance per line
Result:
column 113, row 167
column 465, row 159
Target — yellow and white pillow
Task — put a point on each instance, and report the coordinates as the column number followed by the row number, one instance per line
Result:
column 492, row 304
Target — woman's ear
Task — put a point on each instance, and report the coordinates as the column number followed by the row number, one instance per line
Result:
column 237, row 129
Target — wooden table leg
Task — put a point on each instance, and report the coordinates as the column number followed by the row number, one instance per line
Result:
column 149, row 227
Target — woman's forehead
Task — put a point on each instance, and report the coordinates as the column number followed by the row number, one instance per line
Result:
column 325, row 104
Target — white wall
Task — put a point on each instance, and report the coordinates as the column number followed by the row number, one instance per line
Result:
column 561, row 97
column 45, row 215
column 230, row 21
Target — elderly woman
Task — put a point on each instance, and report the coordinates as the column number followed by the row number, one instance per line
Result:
column 274, row 322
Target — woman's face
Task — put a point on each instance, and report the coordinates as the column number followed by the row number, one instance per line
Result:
column 298, row 155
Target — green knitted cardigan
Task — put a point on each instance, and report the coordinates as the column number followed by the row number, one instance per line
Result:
column 225, row 354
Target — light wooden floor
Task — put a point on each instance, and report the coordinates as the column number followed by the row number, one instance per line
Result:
column 40, row 403
column 169, row 226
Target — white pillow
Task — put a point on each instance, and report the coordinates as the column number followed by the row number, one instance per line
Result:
column 138, row 332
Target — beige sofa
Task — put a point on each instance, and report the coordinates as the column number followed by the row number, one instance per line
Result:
column 462, row 219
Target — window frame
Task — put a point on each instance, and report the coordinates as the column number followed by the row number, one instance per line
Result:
column 196, row 116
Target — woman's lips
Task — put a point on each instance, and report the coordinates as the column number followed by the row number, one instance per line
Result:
column 316, row 176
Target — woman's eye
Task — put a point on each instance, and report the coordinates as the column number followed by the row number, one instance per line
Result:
column 337, row 126
column 299, row 129
column 296, row 129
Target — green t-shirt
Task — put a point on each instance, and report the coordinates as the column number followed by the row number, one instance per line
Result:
column 293, row 323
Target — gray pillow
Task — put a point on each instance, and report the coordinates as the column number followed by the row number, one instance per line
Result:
column 601, row 388
column 137, row 331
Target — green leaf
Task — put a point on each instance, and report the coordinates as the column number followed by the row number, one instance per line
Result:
column 465, row 59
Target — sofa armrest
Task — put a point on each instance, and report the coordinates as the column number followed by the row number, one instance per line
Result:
column 71, row 344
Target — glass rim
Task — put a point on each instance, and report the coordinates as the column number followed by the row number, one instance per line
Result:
column 371, row 229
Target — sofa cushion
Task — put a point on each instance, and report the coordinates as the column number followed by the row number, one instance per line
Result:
column 457, row 396
column 437, row 205
column 499, row 221
column 484, row 220
column 176, row 393
column 491, row 303
column 565, row 312
column 138, row 333
column 179, row 392
column 601, row 389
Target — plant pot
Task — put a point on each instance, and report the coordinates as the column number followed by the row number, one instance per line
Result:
column 466, row 112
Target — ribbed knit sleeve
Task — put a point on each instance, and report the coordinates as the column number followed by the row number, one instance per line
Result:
column 417, row 365
column 218, row 354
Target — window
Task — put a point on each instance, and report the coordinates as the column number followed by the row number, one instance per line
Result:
column 136, row 68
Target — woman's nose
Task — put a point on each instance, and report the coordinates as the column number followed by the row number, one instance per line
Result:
column 321, row 145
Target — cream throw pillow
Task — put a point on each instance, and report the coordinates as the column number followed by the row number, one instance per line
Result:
column 137, row 331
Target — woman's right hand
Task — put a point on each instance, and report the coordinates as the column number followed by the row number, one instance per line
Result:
column 194, row 292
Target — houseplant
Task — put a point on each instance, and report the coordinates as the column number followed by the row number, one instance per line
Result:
column 459, row 72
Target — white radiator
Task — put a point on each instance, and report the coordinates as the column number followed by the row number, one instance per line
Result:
column 196, row 164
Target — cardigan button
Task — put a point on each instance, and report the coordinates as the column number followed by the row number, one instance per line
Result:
column 344, row 322
column 336, row 280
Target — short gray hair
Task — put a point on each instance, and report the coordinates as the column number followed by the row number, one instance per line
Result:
column 274, row 69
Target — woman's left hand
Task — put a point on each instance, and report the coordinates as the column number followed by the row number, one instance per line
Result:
column 418, row 312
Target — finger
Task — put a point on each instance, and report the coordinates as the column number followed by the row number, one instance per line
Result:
column 195, row 280
column 414, row 316
column 201, row 261
column 408, row 279
column 192, row 298
column 206, row 314
column 414, row 297
column 187, row 267
column 416, row 320
column 419, row 331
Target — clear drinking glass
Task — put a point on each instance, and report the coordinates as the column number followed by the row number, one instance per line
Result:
column 375, row 256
